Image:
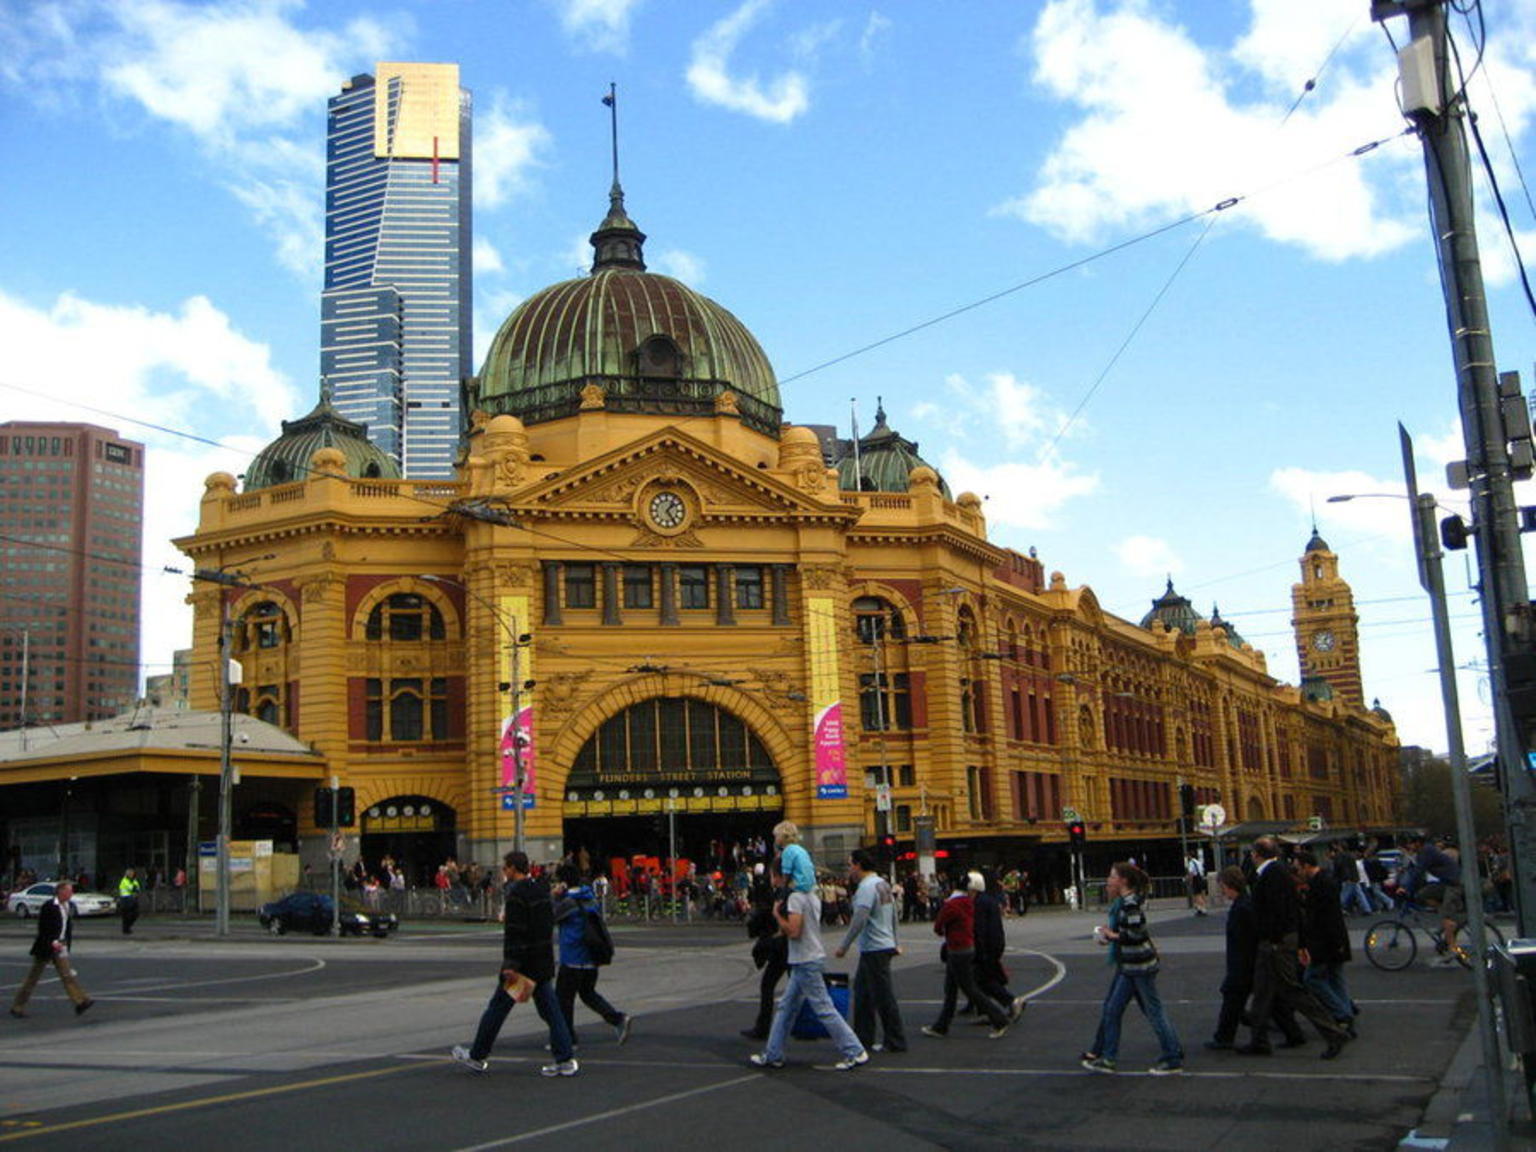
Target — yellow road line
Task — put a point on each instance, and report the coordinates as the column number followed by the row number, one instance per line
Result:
column 184, row 1105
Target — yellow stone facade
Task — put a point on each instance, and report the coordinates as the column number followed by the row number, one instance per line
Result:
column 1011, row 695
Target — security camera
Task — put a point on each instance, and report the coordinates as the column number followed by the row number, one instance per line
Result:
column 244, row 738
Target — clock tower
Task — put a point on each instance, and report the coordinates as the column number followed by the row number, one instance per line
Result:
column 1327, row 629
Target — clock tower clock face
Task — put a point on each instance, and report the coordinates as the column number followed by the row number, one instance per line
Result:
column 667, row 509
column 1323, row 641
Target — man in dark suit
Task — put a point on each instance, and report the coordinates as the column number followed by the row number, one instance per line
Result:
column 1324, row 941
column 55, row 930
column 1276, row 979
column 528, row 954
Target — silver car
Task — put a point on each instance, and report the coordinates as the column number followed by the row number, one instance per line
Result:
column 26, row 902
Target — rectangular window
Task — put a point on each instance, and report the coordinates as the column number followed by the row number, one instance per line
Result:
column 373, row 721
column 906, row 777
column 693, row 586
column 637, row 586
column 749, row 586
column 903, row 818
column 405, row 711
column 580, row 586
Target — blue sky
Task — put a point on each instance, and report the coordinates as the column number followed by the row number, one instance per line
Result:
column 833, row 173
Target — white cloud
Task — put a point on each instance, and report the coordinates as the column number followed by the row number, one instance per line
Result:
column 289, row 212
column 603, row 25
column 173, row 369
column 509, row 144
column 875, row 29
column 1161, row 129
column 1017, row 495
column 491, row 309
column 807, row 43
column 487, row 261
column 1382, row 516
column 676, row 262
column 1149, row 556
column 1002, row 404
column 783, row 98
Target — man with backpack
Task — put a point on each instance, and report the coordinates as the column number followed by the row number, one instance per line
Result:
column 585, row 946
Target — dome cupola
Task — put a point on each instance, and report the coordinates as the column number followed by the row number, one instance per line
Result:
column 1172, row 611
column 884, row 461
column 287, row 458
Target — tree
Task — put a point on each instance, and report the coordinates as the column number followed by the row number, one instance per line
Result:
column 1427, row 801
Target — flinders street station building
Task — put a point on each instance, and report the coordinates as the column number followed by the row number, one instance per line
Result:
column 670, row 610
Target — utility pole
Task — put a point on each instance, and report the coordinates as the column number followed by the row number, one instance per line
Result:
column 883, row 819
column 226, row 767
column 517, row 739
column 1432, row 98
column 1432, row 578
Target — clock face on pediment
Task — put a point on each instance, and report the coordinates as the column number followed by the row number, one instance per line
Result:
column 666, row 510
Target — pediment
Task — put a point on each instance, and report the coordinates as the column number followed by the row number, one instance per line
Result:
column 715, row 486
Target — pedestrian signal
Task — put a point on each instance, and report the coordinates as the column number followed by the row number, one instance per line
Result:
column 1077, row 832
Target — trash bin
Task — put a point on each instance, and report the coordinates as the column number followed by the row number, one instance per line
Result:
column 806, row 1026
column 1513, row 969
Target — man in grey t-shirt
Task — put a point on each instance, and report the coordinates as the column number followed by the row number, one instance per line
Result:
column 800, row 920
column 874, row 928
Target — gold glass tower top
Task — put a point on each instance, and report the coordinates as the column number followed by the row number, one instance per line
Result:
column 416, row 111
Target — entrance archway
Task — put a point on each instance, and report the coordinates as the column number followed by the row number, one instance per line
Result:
column 417, row 831
column 671, row 767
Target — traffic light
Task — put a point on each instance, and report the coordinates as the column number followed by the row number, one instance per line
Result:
column 1187, row 801
column 888, row 846
column 346, row 807
column 323, row 807
column 1454, row 533
column 1077, row 832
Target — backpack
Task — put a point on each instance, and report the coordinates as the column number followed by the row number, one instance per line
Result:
column 595, row 937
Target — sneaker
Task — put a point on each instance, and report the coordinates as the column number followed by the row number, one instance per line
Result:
column 622, row 1028
column 1000, row 1031
column 1084, row 1057
column 849, row 1063
column 83, row 1007
column 1099, row 1064
column 936, row 1033
column 1445, row 962
column 1016, row 1009
column 1165, row 1068
column 461, row 1054
column 761, row 1061
column 561, row 1068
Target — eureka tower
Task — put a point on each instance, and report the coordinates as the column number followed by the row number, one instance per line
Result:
column 395, row 315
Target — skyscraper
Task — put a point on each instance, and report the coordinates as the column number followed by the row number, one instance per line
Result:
column 395, row 316
column 71, row 535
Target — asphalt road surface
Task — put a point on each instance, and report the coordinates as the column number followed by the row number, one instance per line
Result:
column 304, row 1043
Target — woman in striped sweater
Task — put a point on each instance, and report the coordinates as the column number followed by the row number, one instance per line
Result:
column 1134, row 956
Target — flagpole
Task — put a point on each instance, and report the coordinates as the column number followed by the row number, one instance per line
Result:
column 858, row 466
column 612, row 100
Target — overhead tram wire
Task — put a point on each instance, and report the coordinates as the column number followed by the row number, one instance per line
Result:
column 1498, row 112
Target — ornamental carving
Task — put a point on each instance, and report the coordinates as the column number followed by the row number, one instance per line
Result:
column 515, row 576
column 726, row 405
column 593, row 397
column 821, row 578
column 619, row 492
column 645, row 538
column 317, row 589
column 557, row 693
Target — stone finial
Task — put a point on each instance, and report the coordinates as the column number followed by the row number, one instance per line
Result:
column 219, row 484
column 726, row 405
column 328, row 461
column 504, row 450
column 593, row 397
column 800, row 457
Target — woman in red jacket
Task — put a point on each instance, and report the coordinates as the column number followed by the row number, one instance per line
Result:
column 956, row 922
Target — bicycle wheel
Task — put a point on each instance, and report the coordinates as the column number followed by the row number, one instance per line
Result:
column 1493, row 937
column 1390, row 945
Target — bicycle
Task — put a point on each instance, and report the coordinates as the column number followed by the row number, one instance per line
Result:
column 1392, row 944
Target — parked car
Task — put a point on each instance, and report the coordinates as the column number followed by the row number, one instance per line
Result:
column 26, row 902
column 311, row 912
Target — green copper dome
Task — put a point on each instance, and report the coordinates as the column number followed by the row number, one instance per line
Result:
column 1232, row 634
column 651, row 343
column 1173, row 611
column 884, row 462
column 287, row 458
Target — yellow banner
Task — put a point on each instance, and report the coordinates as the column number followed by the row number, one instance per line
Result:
column 826, row 702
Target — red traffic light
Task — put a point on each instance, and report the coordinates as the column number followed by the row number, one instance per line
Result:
column 1077, row 832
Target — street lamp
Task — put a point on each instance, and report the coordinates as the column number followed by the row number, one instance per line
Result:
column 515, row 641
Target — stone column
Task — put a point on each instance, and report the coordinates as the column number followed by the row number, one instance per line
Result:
column 780, row 595
column 611, row 594
column 552, row 593
column 725, row 599
column 668, row 575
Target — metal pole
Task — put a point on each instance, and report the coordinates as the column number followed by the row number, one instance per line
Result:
column 1189, row 892
column 517, row 742
column 1432, row 577
column 194, row 807
column 226, row 766
column 672, row 853
column 335, row 858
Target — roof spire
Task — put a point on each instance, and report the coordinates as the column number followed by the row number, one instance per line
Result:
column 617, row 243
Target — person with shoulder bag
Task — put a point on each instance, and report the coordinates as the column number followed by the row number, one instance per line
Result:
column 585, row 945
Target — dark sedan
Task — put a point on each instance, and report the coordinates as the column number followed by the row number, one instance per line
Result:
column 311, row 912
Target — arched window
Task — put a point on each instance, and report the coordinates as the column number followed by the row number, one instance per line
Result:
column 673, row 740
column 407, row 709
column 263, row 625
column 885, row 685
column 876, row 619
column 404, row 617
column 972, row 682
column 407, row 695
column 261, row 636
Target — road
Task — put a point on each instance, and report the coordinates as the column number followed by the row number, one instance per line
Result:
column 304, row 1043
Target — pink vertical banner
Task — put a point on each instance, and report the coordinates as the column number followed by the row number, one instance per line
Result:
column 831, row 772
column 520, row 730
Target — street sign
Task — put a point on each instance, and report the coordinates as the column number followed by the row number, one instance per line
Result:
column 882, row 797
column 1211, row 816
column 509, row 801
column 1069, row 816
column 1315, row 823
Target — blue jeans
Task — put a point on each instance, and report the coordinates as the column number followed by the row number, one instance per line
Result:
column 1326, row 982
column 1128, row 986
column 495, row 1015
column 1357, row 895
column 807, row 984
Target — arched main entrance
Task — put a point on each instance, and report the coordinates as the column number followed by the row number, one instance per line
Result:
column 417, row 831
column 671, row 766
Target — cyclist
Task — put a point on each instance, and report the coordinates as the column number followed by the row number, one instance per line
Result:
column 1434, row 876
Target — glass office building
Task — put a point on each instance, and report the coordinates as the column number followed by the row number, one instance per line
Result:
column 395, row 316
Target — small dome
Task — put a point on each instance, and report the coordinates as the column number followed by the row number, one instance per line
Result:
column 288, row 457
column 651, row 343
column 1232, row 635
column 1378, row 710
column 884, row 463
column 1172, row 611
column 1315, row 688
column 1317, row 543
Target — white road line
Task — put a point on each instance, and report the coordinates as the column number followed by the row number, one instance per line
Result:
column 315, row 966
column 611, row 1114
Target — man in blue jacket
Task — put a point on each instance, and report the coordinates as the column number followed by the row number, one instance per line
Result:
column 578, row 968
column 528, row 954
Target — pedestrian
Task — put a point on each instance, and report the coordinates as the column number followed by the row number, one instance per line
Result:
column 128, row 900
column 527, row 971
column 1194, row 878
column 55, row 931
column 956, row 922
column 1135, row 960
column 1324, row 941
column 1242, row 948
column 799, row 918
column 873, row 929
column 575, row 906
column 1276, row 980
column 770, row 947
column 991, row 944
column 794, row 861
